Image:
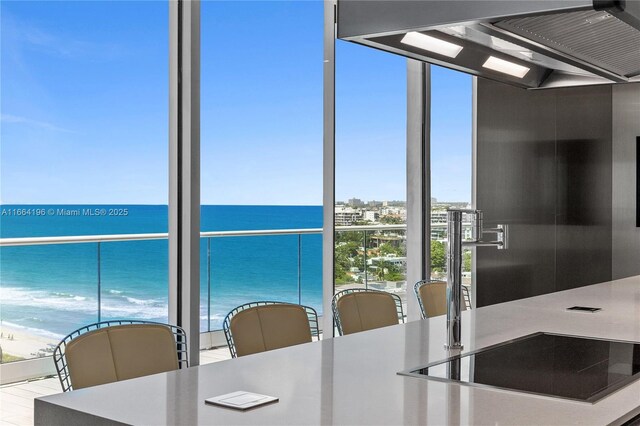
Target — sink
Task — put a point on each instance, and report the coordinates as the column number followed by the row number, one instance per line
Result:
column 579, row 368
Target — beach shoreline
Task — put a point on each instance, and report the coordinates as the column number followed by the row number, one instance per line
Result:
column 18, row 342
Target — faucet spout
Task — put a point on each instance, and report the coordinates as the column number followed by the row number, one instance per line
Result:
column 454, row 266
column 454, row 279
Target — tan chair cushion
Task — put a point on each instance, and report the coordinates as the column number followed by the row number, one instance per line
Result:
column 89, row 360
column 142, row 349
column 434, row 299
column 365, row 311
column 268, row 327
column 247, row 333
column 121, row 352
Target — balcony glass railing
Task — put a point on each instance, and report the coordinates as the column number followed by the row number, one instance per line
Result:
column 52, row 285
column 244, row 266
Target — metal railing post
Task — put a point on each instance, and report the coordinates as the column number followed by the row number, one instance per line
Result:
column 99, row 286
column 366, row 272
column 209, row 284
column 299, row 269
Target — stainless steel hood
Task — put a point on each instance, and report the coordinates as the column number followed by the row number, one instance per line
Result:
column 530, row 44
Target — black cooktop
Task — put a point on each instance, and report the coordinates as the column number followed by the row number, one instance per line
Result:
column 573, row 367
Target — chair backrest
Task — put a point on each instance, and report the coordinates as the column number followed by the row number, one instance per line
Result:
column 358, row 310
column 432, row 298
column 118, row 350
column 263, row 326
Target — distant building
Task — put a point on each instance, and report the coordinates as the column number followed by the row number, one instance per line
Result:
column 439, row 226
column 355, row 202
column 447, row 204
column 394, row 211
column 371, row 216
column 399, row 261
column 438, row 216
column 393, row 239
column 346, row 216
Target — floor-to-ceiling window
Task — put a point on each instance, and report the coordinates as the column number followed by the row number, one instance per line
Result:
column 370, row 169
column 84, row 152
column 261, row 156
column 451, row 163
column 84, row 114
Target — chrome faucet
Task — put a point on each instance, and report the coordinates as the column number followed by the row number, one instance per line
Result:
column 454, row 265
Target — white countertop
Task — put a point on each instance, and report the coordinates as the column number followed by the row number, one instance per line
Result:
column 353, row 380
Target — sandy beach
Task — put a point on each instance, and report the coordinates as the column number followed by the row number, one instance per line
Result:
column 24, row 345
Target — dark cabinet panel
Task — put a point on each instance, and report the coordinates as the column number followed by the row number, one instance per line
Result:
column 516, row 186
column 583, row 139
column 544, row 168
column 626, row 192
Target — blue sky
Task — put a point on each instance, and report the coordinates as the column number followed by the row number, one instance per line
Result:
column 451, row 133
column 84, row 107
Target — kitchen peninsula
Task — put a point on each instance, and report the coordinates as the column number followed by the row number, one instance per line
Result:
column 353, row 379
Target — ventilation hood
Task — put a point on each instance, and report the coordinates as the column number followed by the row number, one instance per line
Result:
column 529, row 44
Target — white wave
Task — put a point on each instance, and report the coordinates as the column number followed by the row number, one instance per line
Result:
column 18, row 296
column 134, row 311
column 10, row 294
column 112, row 307
column 140, row 301
column 69, row 295
column 61, row 294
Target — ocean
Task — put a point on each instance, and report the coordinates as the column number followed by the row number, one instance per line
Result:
column 50, row 290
